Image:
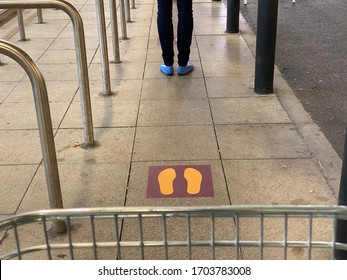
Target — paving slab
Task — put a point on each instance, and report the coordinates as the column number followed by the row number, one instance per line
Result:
column 173, row 88
column 82, row 185
column 260, row 141
column 14, row 182
column 213, row 48
column 14, row 147
column 35, row 45
column 105, row 114
column 23, row 115
column 58, row 91
column 175, row 143
column 11, row 73
column 126, row 70
column 207, row 26
column 6, row 89
column 233, row 86
column 63, row 56
column 113, row 145
column 174, row 112
column 213, row 9
column 60, row 72
column 133, row 43
column 276, row 182
column 247, row 110
column 226, row 69
column 49, row 30
column 68, row 43
column 124, row 90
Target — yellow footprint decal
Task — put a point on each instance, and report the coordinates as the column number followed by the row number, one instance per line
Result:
column 165, row 179
column 194, row 179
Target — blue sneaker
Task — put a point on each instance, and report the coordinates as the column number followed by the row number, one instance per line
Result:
column 182, row 70
column 167, row 70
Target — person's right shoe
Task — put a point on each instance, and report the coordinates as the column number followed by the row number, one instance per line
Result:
column 167, row 70
column 182, row 70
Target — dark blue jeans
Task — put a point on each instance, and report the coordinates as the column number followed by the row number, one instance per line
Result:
column 184, row 30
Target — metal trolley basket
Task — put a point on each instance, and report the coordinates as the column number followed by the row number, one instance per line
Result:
column 227, row 232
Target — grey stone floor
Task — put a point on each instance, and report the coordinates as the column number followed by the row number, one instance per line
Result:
column 263, row 150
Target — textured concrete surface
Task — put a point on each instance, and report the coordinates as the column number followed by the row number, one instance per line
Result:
column 263, row 150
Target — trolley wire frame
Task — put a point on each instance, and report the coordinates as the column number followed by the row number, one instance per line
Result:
column 187, row 216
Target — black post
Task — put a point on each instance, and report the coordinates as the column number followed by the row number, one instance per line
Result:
column 341, row 229
column 233, row 16
column 265, row 46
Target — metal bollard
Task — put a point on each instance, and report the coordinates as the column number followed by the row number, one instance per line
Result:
column 44, row 125
column 39, row 16
column 233, row 16
column 105, row 70
column 127, row 4
column 81, row 56
column 341, row 227
column 123, row 19
column 265, row 46
column 114, row 28
column 21, row 25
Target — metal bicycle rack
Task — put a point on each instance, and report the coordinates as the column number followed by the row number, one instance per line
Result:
column 21, row 25
column 21, row 22
column 105, row 69
column 39, row 16
column 82, row 66
column 123, row 19
column 127, row 4
column 44, row 124
column 114, row 28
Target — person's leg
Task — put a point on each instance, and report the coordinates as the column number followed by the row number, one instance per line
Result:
column 184, row 30
column 165, row 30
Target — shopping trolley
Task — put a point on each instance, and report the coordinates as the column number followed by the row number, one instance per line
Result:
column 226, row 232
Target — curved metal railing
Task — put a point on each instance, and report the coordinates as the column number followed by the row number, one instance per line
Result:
column 81, row 56
column 44, row 123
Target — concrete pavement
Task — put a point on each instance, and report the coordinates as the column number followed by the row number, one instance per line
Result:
column 262, row 150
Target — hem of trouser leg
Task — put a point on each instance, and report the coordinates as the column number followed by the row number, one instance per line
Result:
column 168, row 64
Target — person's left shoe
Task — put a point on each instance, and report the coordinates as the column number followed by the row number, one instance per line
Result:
column 167, row 70
column 183, row 70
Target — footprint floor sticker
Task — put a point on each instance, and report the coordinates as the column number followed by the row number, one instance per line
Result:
column 179, row 181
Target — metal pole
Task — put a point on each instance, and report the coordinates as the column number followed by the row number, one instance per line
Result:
column 123, row 19
column 44, row 125
column 127, row 3
column 39, row 16
column 21, row 25
column 265, row 46
column 341, row 228
column 81, row 56
column 114, row 28
column 105, row 70
column 233, row 16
